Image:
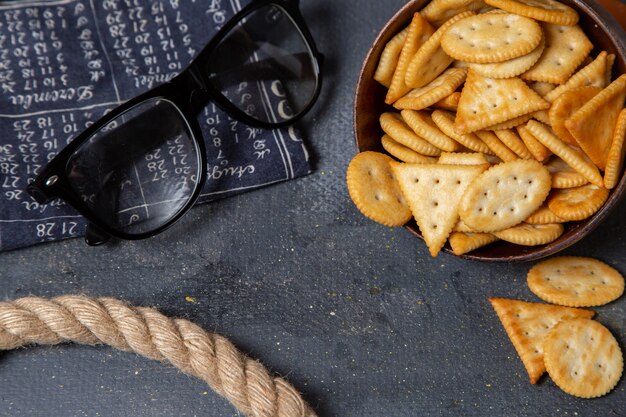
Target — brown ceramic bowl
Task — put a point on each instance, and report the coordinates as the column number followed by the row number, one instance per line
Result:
column 605, row 33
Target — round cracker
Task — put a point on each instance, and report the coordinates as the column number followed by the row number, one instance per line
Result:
column 512, row 67
column 575, row 281
column 543, row 215
column 374, row 191
column 583, row 358
column 531, row 234
column 550, row 11
column 578, row 203
column 491, row 37
column 505, row 195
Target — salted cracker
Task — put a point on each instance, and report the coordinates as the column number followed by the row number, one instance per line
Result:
column 491, row 37
column 497, row 147
column 430, row 60
column 593, row 74
column 615, row 159
column 437, row 12
column 527, row 325
column 462, row 243
column 511, row 123
column 488, row 101
column 563, row 175
column 436, row 90
column 393, row 125
column 374, row 191
column 511, row 139
column 504, row 195
column 418, row 32
column 450, row 102
column 445, row 121
column 422, row 124
column 566, row 48
column 578, row 203
column 592, row 125
column 541, row 88
column 583, row 358
column 575, row 281
column 463, row 158
column 565, row 105
column 512, row 67
column 543, row 215
column 550, row 11
column 531, row 234
column 389, row 58
column 433, row 193
column 403, row 153
column 574, row 159
column 536, row 148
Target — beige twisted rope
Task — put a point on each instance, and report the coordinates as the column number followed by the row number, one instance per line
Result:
column 243, row 381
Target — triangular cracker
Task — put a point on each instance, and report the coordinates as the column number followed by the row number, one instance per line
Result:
column 615, row 160
column 433, row 193
column 419, row 30
column 527, row 324
column 592, row 125
column 487, row 101
column 574, row 157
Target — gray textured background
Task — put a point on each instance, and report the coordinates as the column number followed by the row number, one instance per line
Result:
column 358, row 316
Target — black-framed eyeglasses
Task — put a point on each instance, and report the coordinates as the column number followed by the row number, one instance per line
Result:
column 267, row 44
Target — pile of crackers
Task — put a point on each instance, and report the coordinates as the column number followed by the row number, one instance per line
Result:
column 581, row 355
column 504, row 126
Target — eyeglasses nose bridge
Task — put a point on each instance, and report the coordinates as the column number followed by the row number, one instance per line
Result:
column 198, row 98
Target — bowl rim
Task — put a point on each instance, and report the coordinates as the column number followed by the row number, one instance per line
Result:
column 617, row 36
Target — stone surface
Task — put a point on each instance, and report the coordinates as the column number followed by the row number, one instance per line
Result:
column 357, row 316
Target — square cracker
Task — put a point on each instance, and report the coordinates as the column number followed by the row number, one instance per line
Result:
column 487, row 101
column 433, row 192
column 418, row 32
column 527, row 325
column 566, row 48
column 389, row 58
column 593, row 74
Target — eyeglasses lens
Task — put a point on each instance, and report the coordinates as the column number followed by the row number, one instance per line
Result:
column 140, row 170
column 264, row 66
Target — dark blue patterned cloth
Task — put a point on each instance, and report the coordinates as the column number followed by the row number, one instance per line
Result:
column 65, row 63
